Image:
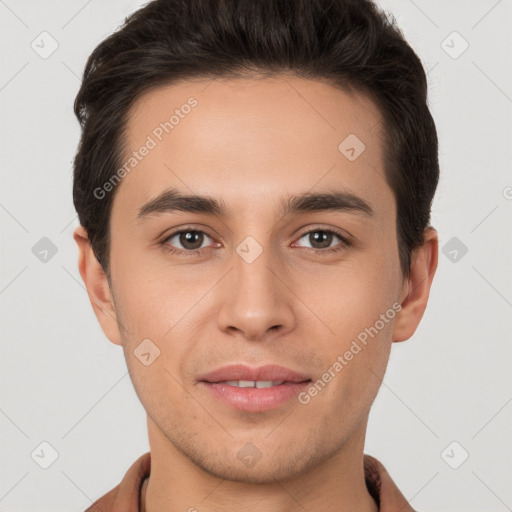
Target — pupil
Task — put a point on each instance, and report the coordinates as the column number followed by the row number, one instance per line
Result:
column 188, row 238
column 321, row 237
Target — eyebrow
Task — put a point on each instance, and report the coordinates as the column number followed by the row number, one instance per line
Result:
column 172, row 200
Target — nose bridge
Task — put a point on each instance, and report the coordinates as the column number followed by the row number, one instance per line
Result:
column 252, row 263
column 256, row 300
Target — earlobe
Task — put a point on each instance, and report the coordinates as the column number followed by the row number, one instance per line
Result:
column 416, row 288
column 97, row 286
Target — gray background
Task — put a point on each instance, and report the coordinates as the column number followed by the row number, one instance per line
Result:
column 64, row 383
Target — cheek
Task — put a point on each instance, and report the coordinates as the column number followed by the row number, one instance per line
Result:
column 153, row 300
column 155, row 365
column 357, row 306
column 352, row 298
column 159, row 331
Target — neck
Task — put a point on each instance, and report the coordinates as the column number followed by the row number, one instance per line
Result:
column 336, row 484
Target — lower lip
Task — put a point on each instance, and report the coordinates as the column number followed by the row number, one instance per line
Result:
column 255, row 399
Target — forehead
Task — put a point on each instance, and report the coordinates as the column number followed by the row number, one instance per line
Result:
column 248, row 140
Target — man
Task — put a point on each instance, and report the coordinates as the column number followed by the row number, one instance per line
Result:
column 254, row 184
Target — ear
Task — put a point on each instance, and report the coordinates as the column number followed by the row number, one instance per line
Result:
column 416, row 287
column 97, row 286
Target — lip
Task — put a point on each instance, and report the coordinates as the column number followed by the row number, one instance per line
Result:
column 244, row 372
column 254, row 399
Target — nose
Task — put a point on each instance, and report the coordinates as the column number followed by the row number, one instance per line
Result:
column 255, row 300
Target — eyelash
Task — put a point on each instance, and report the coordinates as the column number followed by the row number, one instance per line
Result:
column 345, row 242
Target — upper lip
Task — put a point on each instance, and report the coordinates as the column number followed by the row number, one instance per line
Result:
column 243, row 372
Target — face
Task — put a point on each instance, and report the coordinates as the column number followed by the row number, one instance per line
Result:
column 255, row 273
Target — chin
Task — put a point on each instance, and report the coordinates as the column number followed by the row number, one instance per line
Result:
column 251, row 465
column 268, row 472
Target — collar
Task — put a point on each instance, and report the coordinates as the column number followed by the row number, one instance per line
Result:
column 130, row 494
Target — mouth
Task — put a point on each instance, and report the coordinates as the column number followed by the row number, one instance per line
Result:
column 242, row 373
column 260, row 384
column 254, row 389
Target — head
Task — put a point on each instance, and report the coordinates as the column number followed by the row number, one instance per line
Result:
column 289, row 120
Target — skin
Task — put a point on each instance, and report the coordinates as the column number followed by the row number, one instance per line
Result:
column 250, row 143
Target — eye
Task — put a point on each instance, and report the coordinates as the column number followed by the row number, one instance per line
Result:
column 321, row 240
column 189, row 241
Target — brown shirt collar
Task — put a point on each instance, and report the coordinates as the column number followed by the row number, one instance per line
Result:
column 129, row 495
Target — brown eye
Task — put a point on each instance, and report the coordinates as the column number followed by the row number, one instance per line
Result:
column 320, row 239
column 189, row 240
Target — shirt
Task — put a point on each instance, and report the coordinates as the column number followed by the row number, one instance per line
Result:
column 129, row 495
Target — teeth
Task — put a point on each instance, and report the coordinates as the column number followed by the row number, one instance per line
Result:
column 254, row 383
column 268, row 383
